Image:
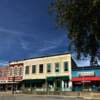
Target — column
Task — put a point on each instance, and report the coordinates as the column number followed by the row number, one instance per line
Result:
column 70, row 85
column 54, row 85
column 66, row 85
column 62, row 85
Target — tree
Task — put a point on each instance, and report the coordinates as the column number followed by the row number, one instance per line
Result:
column 82, row 20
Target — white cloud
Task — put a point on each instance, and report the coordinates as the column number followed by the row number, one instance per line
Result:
column 10, row 31
column 49, row 45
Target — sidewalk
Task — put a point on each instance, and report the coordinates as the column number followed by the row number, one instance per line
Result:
column 9, row 93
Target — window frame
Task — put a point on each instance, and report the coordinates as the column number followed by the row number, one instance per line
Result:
column 65, row 69
column 41, row 69
column 26, row 72
column 48, row 67
column 33, row 71
column 20, row 71
column 57, row 64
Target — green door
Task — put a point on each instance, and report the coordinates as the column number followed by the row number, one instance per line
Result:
column 57, row 85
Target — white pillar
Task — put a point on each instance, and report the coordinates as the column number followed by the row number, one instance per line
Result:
column 54, row 85
column 62, row 85
column 66, row 84
column 70, row 85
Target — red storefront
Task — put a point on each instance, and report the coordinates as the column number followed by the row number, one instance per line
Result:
column 15, row 75
column 86, row 79
column 80, row 79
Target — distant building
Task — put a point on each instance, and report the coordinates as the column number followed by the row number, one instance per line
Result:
column 3, row 77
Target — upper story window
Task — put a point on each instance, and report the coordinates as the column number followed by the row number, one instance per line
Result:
column 48, row 67
column 10, row 71
column 33, row 68
column 27, row 70
column 41, row 68
column 66, row 66
column 15, row 71
column 20, row 71
column 57, row 67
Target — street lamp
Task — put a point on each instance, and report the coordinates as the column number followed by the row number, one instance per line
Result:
column 13, row 81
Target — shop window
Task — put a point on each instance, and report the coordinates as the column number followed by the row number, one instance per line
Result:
column 57, row 67
column 48, row 67
column 33, row 68
column 27, row 70
column 66, row 66
column 41, row 68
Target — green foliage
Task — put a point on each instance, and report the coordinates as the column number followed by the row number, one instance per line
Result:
column 82, row 20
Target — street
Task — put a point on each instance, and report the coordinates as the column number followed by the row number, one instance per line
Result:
column 30, row 97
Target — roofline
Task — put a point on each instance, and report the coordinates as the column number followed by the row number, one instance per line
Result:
column 58, row 54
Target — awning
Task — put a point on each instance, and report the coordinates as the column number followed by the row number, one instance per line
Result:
column 57, row 78
column 34, row 81
column 94, row 78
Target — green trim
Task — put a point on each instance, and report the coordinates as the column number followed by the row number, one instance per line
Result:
column 34, row 81
column 57, row 78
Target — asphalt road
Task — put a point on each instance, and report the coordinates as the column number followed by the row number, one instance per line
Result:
column 30, row 97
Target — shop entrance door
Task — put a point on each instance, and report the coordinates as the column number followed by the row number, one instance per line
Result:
column 58, row 85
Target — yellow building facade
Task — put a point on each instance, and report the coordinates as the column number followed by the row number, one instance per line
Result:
column 47, row 73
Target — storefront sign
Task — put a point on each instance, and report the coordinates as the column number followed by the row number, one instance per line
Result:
column 16, row 78
column 81, row 74
column 2, row 81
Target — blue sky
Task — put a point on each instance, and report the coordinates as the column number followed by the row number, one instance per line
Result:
column 28, row 30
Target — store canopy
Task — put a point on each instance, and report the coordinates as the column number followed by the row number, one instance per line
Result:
column 94, row 78
column 57, row 78
column 34, row 81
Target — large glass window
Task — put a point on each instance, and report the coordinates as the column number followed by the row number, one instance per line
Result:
column 41, row 68
column 48, row 67
column 57, row 67
column 33, row 68
column 27, row 70
column 66, row 66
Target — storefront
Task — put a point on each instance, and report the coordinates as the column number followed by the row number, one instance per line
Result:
column 14, row 83
column 51, row 83
column 86, row 79
column 34, row 84
column 61, row 83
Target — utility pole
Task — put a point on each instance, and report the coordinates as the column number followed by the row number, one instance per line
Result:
column 13, row 85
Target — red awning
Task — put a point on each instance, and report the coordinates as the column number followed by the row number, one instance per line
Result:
column 94, row 78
